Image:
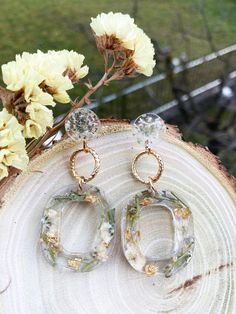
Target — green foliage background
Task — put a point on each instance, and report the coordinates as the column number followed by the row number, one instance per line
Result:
column 28, row 25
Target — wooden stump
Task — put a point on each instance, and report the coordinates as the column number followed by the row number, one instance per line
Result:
column 30, row 285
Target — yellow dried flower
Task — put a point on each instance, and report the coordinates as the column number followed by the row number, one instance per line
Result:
column 146, row 201
column 72, row 62
column 74, row 263
column 41, row 78
column 91, row 198
column 127, row 234
column 118, row 25
column 12, row 144
column 52, row 239
column 143, row 54
column 40, row 118
column 32, row 129
column 117, row 31
column 151, row 269
column 183, row 212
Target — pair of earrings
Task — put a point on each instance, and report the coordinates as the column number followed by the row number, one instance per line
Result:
column 84, row 124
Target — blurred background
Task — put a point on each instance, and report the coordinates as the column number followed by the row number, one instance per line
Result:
column 194, row 83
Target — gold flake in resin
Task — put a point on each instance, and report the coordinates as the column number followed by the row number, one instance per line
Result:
column 74, row 263
column 146, row 201
column 128, row 234
column 183, row 212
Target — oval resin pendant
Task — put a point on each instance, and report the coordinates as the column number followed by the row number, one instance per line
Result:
column 50, row 237
column 183, row 246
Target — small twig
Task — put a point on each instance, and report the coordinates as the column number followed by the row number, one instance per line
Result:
column 36, row 144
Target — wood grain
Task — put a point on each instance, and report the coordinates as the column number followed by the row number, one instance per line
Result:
column 206, row 285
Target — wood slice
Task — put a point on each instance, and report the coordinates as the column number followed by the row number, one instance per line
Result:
column 29, row 284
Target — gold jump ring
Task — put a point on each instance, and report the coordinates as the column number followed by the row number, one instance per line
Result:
column 152, row 179
column 74, row 156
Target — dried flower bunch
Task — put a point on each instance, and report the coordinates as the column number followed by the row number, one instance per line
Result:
column 35, row 82
column 132, row 49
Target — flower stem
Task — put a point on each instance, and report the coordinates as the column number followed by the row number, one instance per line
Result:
column 34, row 145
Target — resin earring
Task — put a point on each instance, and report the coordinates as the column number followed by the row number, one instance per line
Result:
column 82, row 124
column 147, row 127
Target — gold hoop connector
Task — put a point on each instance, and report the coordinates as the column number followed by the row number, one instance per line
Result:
column 151, row 179
column 86, row 149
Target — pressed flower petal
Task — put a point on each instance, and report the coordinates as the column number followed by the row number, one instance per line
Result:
column 133, row 254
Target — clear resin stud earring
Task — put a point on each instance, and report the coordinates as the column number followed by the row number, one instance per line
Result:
column 82, row 124
column 146, row 128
